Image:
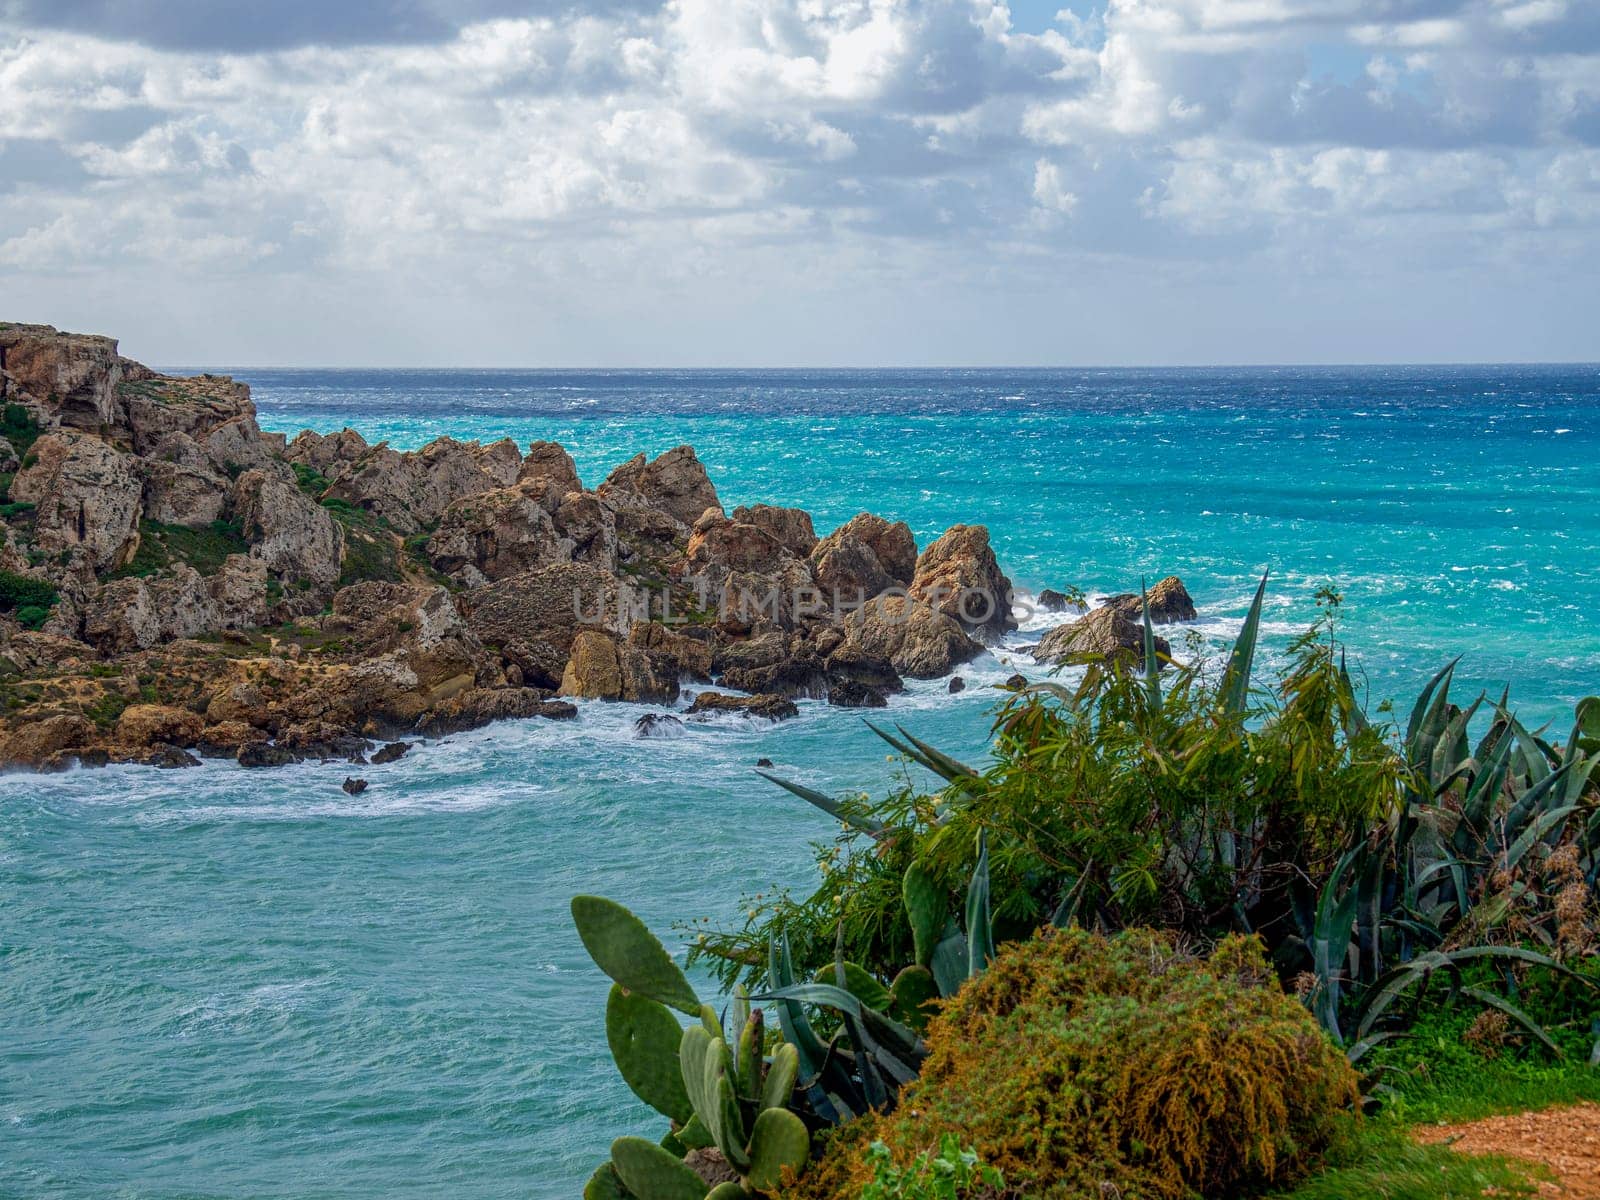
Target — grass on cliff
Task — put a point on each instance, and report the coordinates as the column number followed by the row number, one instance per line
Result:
column 17, row 426
column 28, row 600
column 163, row 546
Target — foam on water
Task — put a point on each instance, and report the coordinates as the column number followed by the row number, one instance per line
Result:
column 229, row 983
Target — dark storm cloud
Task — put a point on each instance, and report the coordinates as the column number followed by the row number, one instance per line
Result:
column 243, row 26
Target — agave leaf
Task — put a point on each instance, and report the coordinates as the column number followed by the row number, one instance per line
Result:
column 1450, row 752
column 950, row 962
column 1235, row 688
column 1357, row 716
column 1362, row 1048
column 941, row 764
column 1152, row 666
column 1428, row 713
column 792, row 1017
column 829, row 805
column 1330, row 940
column 1542, row 825
column 1390, row 986
column 980, row 925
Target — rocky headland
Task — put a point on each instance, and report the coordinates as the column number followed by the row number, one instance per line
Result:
column 174, row 582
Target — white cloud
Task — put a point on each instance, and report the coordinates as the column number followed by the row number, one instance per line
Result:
column 922, row 144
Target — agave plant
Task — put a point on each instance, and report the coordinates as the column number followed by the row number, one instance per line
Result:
column 878, row 1048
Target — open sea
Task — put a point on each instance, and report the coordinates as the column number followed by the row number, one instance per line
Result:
column 216, row 983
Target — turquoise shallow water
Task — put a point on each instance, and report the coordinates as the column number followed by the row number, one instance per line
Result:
column 215, row 983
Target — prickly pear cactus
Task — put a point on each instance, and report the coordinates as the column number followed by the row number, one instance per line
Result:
column 624, row 948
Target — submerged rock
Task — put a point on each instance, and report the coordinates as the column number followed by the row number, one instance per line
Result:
column 658, row 725
column 771, row 708
column 393, row 752
column 850, row 694
column 354, row 787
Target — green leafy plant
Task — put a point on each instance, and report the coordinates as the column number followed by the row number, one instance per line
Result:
column 948, row 1173
column 29, row 600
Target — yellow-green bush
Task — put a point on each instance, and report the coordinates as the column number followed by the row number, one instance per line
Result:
column 1078, row 1061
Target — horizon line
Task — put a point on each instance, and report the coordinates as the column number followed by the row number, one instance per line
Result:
column 1189, row 366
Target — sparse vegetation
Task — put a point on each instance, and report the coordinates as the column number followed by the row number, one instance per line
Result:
column 205, row 549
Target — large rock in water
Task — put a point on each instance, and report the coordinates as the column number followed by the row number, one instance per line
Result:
column 1169, row 602
column 86, row 494
column 920, row 641
column 863, row 558
column 1105, row 635
column 676, row 483
column 958, row 575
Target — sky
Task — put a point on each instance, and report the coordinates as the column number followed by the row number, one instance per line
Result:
column 804, row 182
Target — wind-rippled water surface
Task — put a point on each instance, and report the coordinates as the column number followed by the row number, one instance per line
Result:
column 219, row 983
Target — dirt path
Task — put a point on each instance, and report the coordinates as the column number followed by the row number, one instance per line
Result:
column 1565, row 1140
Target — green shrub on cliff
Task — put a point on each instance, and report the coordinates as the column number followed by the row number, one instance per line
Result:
column 1081, row 1065
column 17, row 426
column 205, row 549
column 27, row 599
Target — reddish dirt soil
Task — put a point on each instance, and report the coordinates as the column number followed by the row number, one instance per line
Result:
column 1566, row 1141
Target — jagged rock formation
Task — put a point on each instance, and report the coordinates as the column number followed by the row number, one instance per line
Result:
column 296, row 599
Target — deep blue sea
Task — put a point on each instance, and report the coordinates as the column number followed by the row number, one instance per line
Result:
column 225, row 984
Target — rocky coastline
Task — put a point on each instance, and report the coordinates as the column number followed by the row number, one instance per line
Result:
column 176, row 583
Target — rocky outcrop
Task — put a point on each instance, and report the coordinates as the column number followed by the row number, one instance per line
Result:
column 791, row 528
column 863, row 558
column 675, row 483
column 548, row 474
column 1105, row 635
column 1169, row 603
column 1051, row 600
column 77, row 374
column 294, row 537
column 920, row 641
column 495, row 534
column 603, row 668
column 481, row 706
column 86, row 496
column 958, row 575
column 187, row 569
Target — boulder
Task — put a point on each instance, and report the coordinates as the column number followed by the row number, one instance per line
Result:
column 850, row 694
column 602, row 668
column 690, row 657
column 477, row 707
column 30, row 745
column 850, row 662
column 226, row 738
column 801, row 675
column 769, row 708
column 411, row 491
column 675, row 483
column 918, row 640
column 1050, row 600
column 791, row 528
column 495, row 534
column 138, row 613
column 393, row 752
column 1105, row 635
column 354, row 787
column 718, row 542
column 86, row 494
column 264, row 754
column 325, row 741
column 325, row 453
column 957, row 684
column 501, row 461
column 292, row 535
column 150, row 724
column 534, row 661
column 238, row 594
column 958, row 575
column 180, row 488
column 166, row 757
column 1169, row 603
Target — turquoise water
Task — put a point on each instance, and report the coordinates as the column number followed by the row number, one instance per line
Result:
column 215, row 983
